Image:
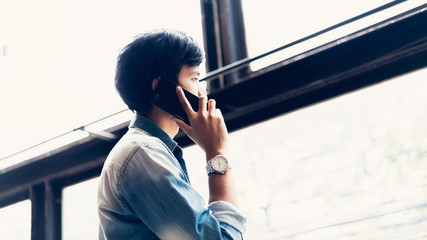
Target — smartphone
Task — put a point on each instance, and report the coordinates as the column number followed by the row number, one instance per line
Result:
column 166, row 98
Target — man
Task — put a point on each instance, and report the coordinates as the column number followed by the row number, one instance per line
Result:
column 144, row 191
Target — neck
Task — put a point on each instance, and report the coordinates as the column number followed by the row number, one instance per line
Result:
column 164, row 121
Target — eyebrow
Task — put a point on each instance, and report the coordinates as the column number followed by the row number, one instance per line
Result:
column 195, row 72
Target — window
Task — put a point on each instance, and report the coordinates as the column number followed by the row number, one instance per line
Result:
column 273, row 23
column 15, row 221
column 288, row 21
column 351, row 167
column 79, row 211
column 60, row 61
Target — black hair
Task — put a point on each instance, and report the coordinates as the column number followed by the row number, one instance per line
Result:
column 157, row 54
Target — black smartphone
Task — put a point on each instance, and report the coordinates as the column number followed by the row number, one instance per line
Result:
column 166, row 98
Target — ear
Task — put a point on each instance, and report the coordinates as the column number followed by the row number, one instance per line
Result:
column 155, row 96
column 154, row 83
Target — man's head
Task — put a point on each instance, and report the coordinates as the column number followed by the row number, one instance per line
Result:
column 158, row 54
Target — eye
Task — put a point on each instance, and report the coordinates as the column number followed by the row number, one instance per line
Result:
column 195, row 79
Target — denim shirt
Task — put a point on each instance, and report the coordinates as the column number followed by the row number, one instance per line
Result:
column 145, row 193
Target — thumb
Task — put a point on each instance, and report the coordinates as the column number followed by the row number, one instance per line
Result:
column 181, row 124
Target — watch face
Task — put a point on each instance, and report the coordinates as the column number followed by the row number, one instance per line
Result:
column 219, row 164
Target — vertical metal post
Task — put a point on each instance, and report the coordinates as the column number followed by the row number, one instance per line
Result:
column 37, row 197
column 224, row 37
column 46, row 211
column 53, row 211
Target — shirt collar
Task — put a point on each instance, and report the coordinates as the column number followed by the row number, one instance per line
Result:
column 151, row 128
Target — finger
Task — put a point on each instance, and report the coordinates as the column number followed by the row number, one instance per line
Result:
column 184, row 102
column 181, row 124
column 218, row 111
column 211, row 106
column 202, row 103
column 202, row 92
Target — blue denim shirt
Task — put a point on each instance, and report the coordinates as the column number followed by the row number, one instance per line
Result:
column 145, row 193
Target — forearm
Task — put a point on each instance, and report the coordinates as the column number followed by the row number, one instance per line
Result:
column 222, row 188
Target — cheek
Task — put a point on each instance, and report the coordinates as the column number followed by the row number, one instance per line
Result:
column 191, row 86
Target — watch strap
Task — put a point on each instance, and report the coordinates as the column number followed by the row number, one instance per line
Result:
column 209, row 168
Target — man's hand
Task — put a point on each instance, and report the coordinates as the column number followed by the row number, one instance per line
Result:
column 207, row 128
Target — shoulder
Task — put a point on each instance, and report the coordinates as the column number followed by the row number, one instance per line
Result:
column 138, row 153
column 134, row 140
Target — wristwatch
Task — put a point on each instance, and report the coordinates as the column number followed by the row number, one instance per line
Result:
column 218, row 164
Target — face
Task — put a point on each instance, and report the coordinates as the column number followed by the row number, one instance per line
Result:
column 188, row 78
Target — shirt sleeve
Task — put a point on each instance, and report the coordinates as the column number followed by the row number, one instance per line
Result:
column 153, row 189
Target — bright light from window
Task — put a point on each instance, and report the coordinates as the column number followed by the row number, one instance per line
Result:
column 349, row 168
column 80, row 216
column 15, row 221
column 59, row 69
column 290, row 21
